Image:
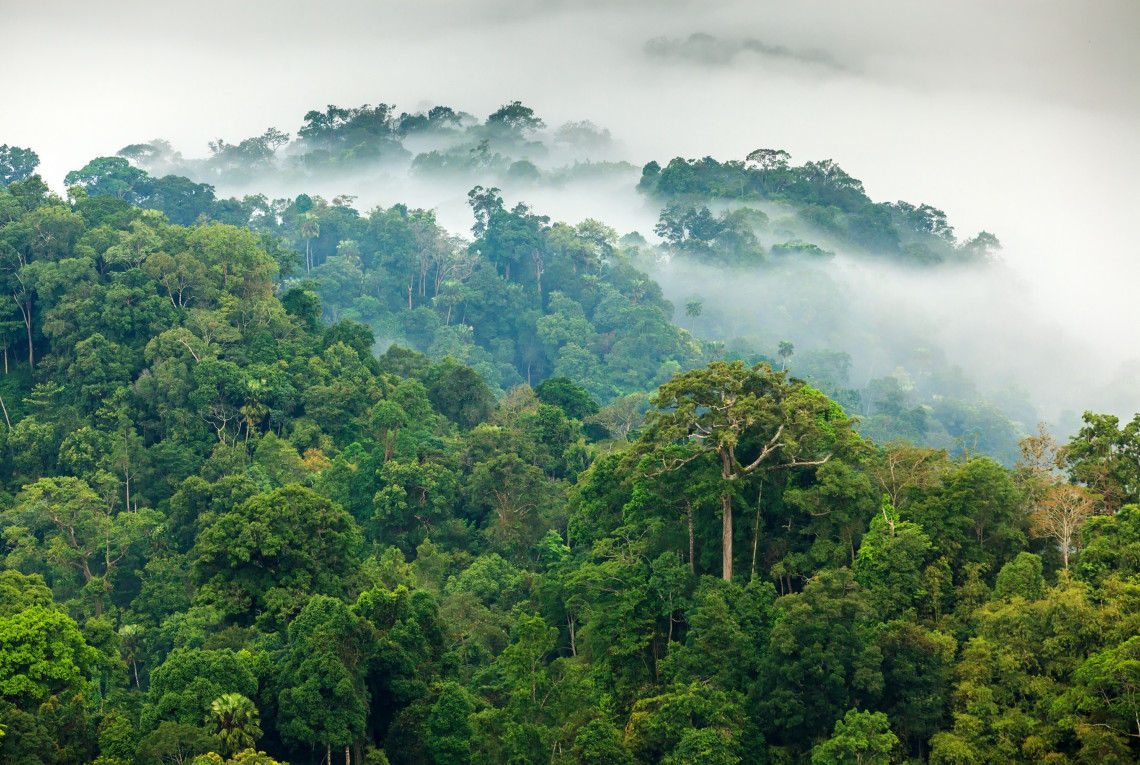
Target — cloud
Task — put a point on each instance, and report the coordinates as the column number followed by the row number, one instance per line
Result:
column 705, row 49
column 1015, row 116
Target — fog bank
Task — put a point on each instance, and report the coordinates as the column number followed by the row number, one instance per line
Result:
column 1020, row 118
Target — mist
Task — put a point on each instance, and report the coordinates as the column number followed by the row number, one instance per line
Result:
column 1019, row 118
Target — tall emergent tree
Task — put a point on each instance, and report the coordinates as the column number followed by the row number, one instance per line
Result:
column 751, row 420
column 16, row 164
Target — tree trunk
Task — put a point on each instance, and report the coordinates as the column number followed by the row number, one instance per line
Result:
column 538, row 269
column 31, row 348
column 135, row 667
column 726, row 536
column 347, row 760
column 328, row 754
column 692, row 556
column 756, row 531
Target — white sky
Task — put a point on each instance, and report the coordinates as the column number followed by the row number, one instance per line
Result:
column 1021, row 118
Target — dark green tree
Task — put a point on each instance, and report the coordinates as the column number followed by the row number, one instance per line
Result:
column 323, row 698
column 269, row 555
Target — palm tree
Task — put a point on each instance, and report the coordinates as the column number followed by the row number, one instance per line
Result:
column 309, row 229
column 234, row 719
column 130, row 638
column 693, row 310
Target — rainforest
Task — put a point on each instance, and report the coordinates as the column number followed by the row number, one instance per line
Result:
column 446, row 434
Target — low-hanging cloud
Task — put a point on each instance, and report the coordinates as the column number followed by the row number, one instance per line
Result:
column 701, row 48
column 1017, row 117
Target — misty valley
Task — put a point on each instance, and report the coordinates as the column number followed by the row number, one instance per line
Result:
column 429, row 438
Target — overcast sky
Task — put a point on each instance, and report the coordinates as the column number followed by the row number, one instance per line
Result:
column 1021, row 118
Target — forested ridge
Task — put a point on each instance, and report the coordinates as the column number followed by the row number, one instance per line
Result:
column 547, row 525
column 762, row 215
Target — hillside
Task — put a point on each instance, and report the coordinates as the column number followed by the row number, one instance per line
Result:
column 552, row 522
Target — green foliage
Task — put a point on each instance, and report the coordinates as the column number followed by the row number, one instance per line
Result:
column 1102, row 456
column 890, row 564
column 685, row 724
column 599, row 743
column 42, row 654
column 274, row 551
column 1107, row 690
column 16, row 164
column 751, row 421
column 448, row 734
column 234, row 720
column 822, row 659
column 860, row 738
column 173, row 742
column 565, row 394
column 251, row 524
column 1021, row 578
column 323, row 699
column 828, row 204
column 189, row 680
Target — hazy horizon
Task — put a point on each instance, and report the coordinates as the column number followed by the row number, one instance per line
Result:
column 1020, row 118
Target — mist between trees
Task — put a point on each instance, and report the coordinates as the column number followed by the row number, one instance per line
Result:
column 603, row 499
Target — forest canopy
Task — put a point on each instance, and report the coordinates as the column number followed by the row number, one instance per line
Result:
column 284, row 480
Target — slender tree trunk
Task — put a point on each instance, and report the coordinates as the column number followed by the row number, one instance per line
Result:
column 692, row 547
column 31, row 348
column 135, row 667
column 328, row 754
column 756, row 531
column 347, row 760
column 127, row 471
column 538, row 268
column 726, row 536
column 409, row 296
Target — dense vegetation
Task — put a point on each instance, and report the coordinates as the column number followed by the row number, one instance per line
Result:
column 817, row 200
column 439, row 144
column 562, row 530
column 760, row 216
